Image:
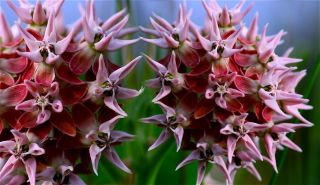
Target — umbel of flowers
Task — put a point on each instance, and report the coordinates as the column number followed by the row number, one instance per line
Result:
column 59, row 93
column 225, row 94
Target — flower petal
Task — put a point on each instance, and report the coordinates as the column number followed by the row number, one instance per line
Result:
column 31, row 167
column 45, row 74
column 8, row 167
column 43, row 116
column 164, row 136
column 193, row 156
column 13, row 95
column 95, row 154
column 86, row 121
column 63, row 122
column 246, row 85
column 112, row 103
column 113, row 157
column 122, row 72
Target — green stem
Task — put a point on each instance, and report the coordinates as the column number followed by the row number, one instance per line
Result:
column 153, row 177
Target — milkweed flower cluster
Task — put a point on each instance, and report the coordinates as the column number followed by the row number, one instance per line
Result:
column 225, row 93
column 59, row 93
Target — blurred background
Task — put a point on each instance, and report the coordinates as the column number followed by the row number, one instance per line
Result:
column 300, row 18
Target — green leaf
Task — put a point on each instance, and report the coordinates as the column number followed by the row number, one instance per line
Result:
column 156, row 168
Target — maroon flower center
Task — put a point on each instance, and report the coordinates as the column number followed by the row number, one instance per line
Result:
column 240, row 129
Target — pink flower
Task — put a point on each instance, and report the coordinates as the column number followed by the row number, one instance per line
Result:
column 100, row 38
column 103, row 140
column 224, row 95
column 108, row 85
column 244, row 160
column 276, row 138
column 38, row 109
column 239, row 131
column 206, row 153
column 22, row 149
column 36, row 14
column 63, row 174
column 224, row 16
column 174, row 37
column 168, row 77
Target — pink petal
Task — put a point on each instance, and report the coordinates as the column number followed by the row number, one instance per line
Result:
column 158, row 42
column 34, row 55
column 107, row 126
column 251, row 146
column 39, row 14
column 164, row 136
column 221, row 102
column 271, row 150
column 156, row 119
column 7, row 146
column 30, row 41
column 224, row 19
column 35, row 150
column 178, row 134
column 43, row 116
column 88, row 32
column 122, row 72
column 245, row 60
column 252, row 169
column 23, row 13
column 8, row 167
column 253, row 29
column 5, row 33
column 28, row 106
column 193, row 156
column 75, row 179
column 112, row 103
column 120, row 136
column 113, row 157
column 31, row 167
column 95, row 154
column 62, row 45
column 125, row 93
column 288, row 143
column 113, row 19
column 156, row 66
column 57, row 106
column 104, row 43
column 164, row 91
column 117, row 43
column 231, row 145
column 102, row 74
column 201, row 171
